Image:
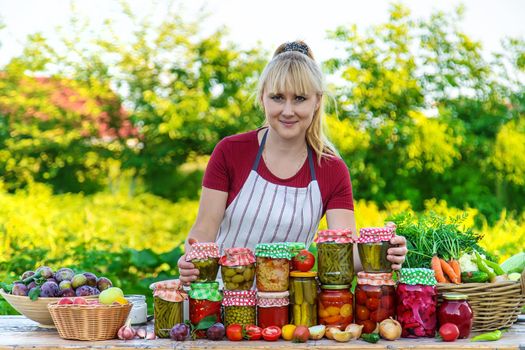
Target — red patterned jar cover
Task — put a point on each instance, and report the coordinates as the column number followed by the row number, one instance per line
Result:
column 337, row 236
column 237, row 257
column 170, row 290
column 239, row 298
column 376, row 234
column 375, row 279
column 272, row 299
column 203, row 251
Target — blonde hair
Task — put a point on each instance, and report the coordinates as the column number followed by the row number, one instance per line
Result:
column 294, row 70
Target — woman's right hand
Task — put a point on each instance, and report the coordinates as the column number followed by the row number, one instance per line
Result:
column 187, row 271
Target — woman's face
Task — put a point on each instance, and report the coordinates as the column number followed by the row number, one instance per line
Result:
column 290, row 114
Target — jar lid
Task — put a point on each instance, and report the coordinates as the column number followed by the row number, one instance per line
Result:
column 375, row 279
column 268, row 299
column 208, row 291
column 237, row 257
column 415, row 276
column 239, row 298
column 335, row 286
column 337, row 236
column 303, row 274
column 169, row 290
column 455, row 296
column 203, row 251
column 273, row 250
column 376, row 234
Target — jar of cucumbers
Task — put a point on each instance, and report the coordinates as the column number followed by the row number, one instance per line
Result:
column 239, row 307
column 335, row 256
column 238, row 268
column 272, row 267
column 168, row 297
column 303, row 298
column 205, row 257
column 373, row 245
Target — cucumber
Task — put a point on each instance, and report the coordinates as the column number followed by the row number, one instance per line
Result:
column 474, row 277
column 515, row 263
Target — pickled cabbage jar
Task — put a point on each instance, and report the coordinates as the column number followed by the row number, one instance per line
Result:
column 335, row 306
column 205, row 257
column 239, row 307
column 373, row 244
column 417, row 303
column 272, row 309
column 303, row 298
column 295, row 248
column 375, row 296
column 205, row 300
column 168, row 297
column 456, row 309
column 238, row 268
column 273, row 267
column 335, row 256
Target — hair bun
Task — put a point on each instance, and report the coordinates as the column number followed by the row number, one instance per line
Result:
column 297, row 46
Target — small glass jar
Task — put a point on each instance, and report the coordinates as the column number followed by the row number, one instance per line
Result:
column 303, row 298
column 239, row 307
column 335, row 257
column 373, row 245
column 168, row 297
column 417, row 303
column 272, row 267
column 456, row 309
column 374, row 299
column 272, row 309
column 238, row 268
column 205, row 300
column 205, row 257
column 335, row 306
column 139, row 310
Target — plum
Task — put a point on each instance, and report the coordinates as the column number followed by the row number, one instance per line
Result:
column 49, row 290
column 179, row 332
column 19, row 289
column 104, row 283
column 67, row 292
column 65, row 285
column 52, row 280
column 95, row 291
column 31, row 285
column 44, row 271
column 216, row 331
column 64, row 274
column 91, row 279
column 27, row 274
column 84, row 291
column 78, row 281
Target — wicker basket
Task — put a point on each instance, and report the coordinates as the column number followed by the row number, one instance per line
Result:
column 495, row 305
column 89, row 322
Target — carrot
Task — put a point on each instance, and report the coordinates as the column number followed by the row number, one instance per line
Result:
column 436, row 266
column 457, row 270
column 447, row 269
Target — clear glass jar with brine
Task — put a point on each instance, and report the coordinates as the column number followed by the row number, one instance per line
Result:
column 205, row 256
column 335, row 306
column 238, row 268
column 168, row 297
column 272, row 267
column 303, row 298
column 373, row 244
column 335, row 256
column 239, row 307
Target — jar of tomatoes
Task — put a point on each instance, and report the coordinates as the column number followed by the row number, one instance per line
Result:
column 238, row 268
column 456, row 309
column 335, row 305
column 239, row 307
column 272, row 309
column 372, row 245
column 168, row 297
column 335, row 256
column 272, row 267
column 417, row 302
column 374, row 299
column 205, row 300
column 303, row 298
column 205, row 256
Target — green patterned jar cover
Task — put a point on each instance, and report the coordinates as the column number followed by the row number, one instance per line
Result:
column 205, row 291
column 417, row 276
column 295, row 247
column 273, row 250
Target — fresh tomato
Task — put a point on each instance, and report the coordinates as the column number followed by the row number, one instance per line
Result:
column 271, row 333
column 449, row 332
column 252, row 332
column 303, row 261
column 234, row 332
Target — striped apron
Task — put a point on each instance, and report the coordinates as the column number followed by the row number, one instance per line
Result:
column 263, row 212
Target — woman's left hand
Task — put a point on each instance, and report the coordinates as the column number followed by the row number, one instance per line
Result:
column 397, row 254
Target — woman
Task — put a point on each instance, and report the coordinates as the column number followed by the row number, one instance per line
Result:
column 274, row 184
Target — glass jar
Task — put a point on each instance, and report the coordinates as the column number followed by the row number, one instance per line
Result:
column 238, row 268
column 205, row 257
column 456, row 309
column 303, row 298
column 272, row 309
column 239, row 307
column 168, row 297
column 295, row 248
column 205, row 300
column 335, row 306
column 139, row 310
column 335, row 257
column 374, row 299
column 272, row 267
column 417, row 303
column 373, row 245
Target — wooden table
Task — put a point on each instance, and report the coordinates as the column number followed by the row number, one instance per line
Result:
column 17, row 332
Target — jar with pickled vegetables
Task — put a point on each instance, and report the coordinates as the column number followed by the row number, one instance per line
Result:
column 272, row 267
column 335, row 306
column 375, row 296
column 168, row 297
column 303, row 298
column 272, row 309
column 335, row 256
column 238, row 268
column 205, row 300
column 295, row 248
column 205, row 256
column 373, row 244
column 417, row 303
column 456, row 309
column 239, row 307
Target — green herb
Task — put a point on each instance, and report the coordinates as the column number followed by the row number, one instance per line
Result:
column 203, row 324
column 34, row 293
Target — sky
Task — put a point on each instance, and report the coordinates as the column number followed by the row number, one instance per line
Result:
column 270, row 21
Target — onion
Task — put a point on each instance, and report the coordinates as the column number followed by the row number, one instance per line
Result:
column 390, row 329
column 355, row 330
